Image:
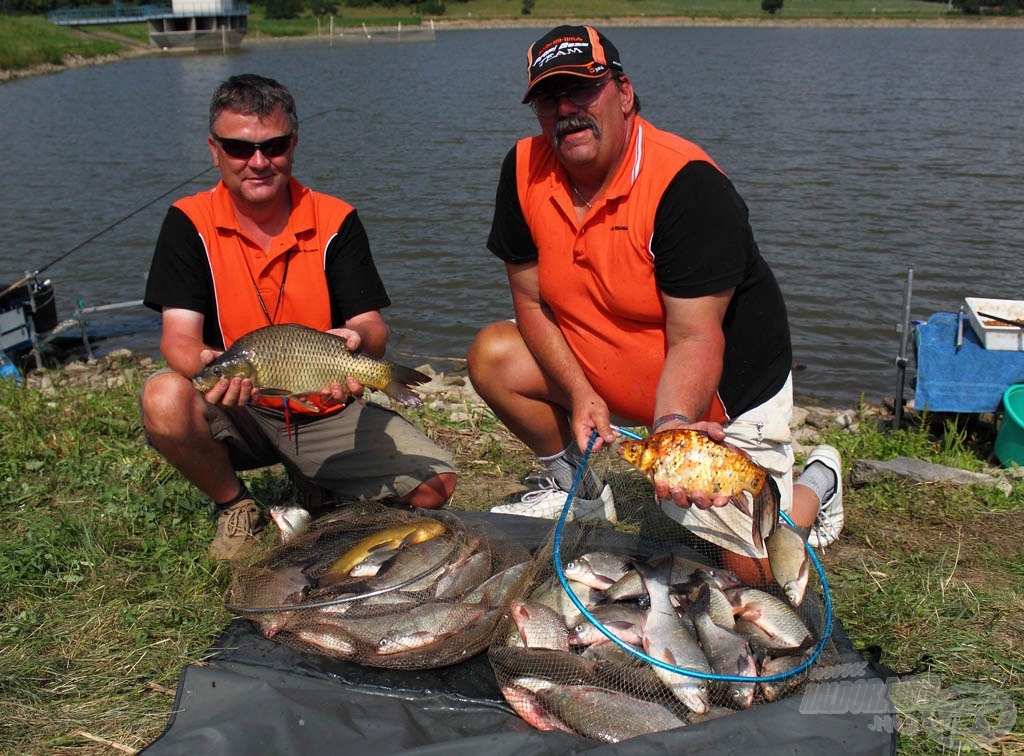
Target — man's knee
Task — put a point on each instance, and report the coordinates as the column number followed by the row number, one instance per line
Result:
column 432, row 493
column 168, row 400
column 495, row 345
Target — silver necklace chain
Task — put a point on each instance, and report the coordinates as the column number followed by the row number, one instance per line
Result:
column 572, row 185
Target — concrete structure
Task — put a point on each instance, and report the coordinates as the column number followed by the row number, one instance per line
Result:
column 196, row 24
column 201, row 25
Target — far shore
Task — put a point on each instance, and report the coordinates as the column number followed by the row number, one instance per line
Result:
column 456, row 24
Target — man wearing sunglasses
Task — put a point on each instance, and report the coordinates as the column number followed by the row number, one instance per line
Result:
column 640, row 298
column 259, row 248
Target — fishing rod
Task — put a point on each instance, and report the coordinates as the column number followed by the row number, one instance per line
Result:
column 30, row 276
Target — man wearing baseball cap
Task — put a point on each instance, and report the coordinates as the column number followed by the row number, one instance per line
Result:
column 641, row 298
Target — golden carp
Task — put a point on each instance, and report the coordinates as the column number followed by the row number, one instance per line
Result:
column 296, row 361
column 691, row 460
column 394, row 537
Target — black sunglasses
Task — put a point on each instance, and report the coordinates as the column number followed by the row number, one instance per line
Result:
column 581, row 94
column 243, row 150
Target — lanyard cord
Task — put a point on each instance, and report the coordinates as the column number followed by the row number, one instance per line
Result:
column 280, row 291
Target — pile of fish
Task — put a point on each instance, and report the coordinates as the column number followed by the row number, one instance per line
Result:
column 560, row 672
column 383, row 588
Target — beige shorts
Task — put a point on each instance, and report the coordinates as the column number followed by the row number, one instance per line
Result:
column 764, row 433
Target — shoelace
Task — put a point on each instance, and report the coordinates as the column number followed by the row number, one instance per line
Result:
column 238, row 521
column 539, row 480
column 539, row 494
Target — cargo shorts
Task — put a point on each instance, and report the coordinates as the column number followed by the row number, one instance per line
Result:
column 363, row 452
column 764, row 433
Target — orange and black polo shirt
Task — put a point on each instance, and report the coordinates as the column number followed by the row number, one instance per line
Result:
column 203, row 262
column 670, row 222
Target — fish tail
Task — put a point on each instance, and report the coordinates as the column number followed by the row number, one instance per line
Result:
column 766, row 507
column 401, row 379
column 408, row 376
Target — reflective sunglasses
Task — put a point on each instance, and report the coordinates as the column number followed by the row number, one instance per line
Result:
column 582, row 94
column 243, row 150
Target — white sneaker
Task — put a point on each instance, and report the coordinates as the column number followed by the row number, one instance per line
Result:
column 826, row 530
column 549, row 501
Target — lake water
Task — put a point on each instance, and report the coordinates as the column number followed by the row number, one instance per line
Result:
column 860, row 152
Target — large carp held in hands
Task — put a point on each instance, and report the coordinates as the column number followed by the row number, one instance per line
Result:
column 296, row 361
column 691, row 460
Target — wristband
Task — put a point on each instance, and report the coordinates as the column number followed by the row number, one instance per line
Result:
column 673, row 416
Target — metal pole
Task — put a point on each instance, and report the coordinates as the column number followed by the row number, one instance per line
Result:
column 901, row 360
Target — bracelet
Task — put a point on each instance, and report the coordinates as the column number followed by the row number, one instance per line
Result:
column 673, row 416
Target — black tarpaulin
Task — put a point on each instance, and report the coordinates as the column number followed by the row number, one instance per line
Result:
column 258, row 696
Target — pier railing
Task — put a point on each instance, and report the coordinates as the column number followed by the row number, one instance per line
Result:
column 124, row 14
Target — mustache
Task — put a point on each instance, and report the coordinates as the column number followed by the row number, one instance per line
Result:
column 573, row 122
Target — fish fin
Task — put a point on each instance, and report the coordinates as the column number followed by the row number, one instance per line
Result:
column 402, row 378
column 740, row 501
column 394, row 544
column 408, row 376
column 747, row 612
column 403, row 394
column 303, row 403
column 700, row 601
column 765, row 517
column 271, row 391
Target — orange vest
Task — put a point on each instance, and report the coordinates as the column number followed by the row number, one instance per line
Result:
column 247, row 279
column 598, row 276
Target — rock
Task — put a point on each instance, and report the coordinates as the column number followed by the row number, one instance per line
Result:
column 865, row 470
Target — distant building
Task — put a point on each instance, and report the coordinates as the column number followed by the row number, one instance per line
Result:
column 200, row 24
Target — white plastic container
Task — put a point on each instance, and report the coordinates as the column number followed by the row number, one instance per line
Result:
column 992, row 333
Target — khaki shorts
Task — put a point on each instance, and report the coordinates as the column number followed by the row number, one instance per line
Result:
column 764, row 433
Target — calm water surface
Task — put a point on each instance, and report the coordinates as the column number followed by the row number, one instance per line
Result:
column 860, row 152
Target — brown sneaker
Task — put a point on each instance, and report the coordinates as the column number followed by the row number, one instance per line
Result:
column 238, row 530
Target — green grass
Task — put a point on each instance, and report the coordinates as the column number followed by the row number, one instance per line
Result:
column 107, row 590
column 932, row 574
column 34, row 41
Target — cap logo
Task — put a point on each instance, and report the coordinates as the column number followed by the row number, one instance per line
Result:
column 560, row 47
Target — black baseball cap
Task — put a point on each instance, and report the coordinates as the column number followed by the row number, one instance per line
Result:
column 570, row 50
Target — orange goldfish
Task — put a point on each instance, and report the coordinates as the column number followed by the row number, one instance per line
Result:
column 691, row 460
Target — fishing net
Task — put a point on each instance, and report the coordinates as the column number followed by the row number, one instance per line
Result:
column 635, row 626
column 383, row 587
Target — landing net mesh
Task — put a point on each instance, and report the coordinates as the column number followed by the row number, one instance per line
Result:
column 621, row 623
column 383, row 587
